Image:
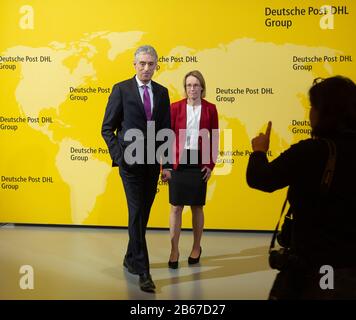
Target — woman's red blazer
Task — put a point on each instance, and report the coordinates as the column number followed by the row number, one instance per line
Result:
column 208, row 140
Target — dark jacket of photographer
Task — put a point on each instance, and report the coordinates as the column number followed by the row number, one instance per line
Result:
column 325, row 225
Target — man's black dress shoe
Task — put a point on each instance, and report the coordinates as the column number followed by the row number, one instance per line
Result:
column 129, row 267
column 146, row 283
column 194, row 260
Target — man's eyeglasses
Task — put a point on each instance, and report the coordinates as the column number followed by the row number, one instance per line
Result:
column 143, row 64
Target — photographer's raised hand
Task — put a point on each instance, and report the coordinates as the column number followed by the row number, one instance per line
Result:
column 261, row 142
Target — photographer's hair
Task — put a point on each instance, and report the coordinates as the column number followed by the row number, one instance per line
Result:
column 148, row 50
column 334, row 99
column 197, row 74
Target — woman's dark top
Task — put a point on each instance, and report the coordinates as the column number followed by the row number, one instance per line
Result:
column 325, row 225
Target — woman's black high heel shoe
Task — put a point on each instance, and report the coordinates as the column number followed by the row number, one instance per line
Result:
column 173, row 264
column 194, row 260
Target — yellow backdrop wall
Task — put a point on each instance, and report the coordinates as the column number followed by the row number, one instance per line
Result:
column 59, row 60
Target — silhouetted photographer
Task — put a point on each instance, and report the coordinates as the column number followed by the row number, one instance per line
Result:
column 319, row 262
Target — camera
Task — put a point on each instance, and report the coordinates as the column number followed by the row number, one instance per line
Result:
column 283, row 258
column 279, row 259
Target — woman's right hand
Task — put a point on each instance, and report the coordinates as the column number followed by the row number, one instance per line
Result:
column 207, row 173
column 261, row 142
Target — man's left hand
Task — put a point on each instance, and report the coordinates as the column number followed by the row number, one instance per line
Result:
column 165, row 175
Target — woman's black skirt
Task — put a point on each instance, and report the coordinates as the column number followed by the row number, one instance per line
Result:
column 187, row 187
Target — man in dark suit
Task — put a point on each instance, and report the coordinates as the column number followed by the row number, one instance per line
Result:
column 135, row 107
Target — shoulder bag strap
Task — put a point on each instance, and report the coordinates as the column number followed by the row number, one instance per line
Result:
column 289, row 212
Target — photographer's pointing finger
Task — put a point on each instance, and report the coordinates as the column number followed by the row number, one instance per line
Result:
column 268, row 130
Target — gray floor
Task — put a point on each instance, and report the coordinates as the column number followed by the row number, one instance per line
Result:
column 86, row 263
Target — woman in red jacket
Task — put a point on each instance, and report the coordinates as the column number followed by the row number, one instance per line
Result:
column 195, row 124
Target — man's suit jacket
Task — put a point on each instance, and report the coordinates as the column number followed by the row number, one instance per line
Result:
column 208, row 121
column 125, row 111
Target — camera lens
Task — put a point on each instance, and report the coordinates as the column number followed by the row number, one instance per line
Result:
column 278, row 259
